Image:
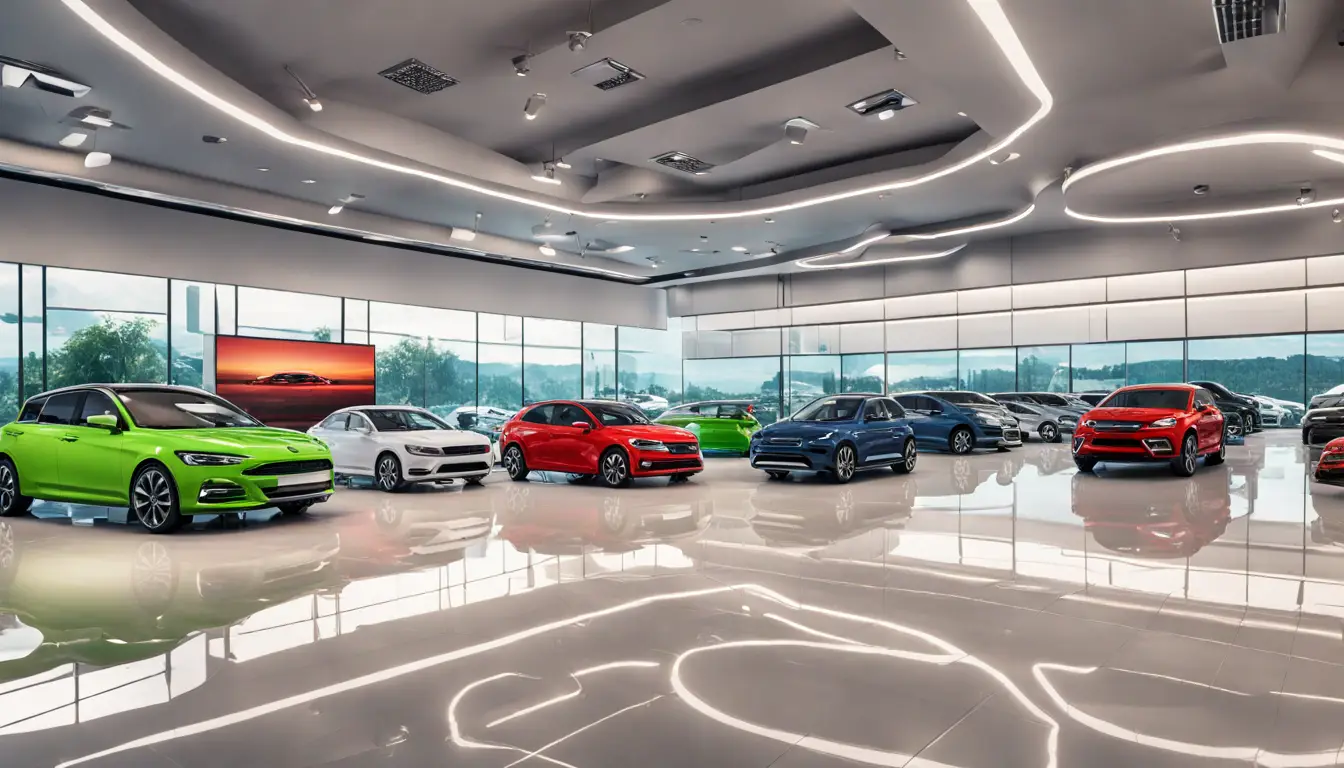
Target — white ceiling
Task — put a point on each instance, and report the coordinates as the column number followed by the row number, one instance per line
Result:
column 1114, row 78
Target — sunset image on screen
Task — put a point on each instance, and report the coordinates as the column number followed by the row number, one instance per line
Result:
column 293, row 383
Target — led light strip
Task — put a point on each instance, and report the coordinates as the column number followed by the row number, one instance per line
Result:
column 989, row 12
column 1314, row 141
column 815, row 262
column 812, row 263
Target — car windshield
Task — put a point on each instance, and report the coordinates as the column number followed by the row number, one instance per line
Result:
column 174, row 409
column 617, row 415
column 1329, row 401
column 397, row 420
column 830, row 409
column 968, row 398
column 1048, row 399
column 1175, row 399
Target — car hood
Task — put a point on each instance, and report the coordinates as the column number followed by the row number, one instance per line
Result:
column 803, row 429
column 436, row 437
column 654, row 432
column 248, row 440
column 1131, row 414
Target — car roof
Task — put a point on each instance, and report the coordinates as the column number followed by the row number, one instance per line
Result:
column 1186, row 387
column 398, row 407
column 126, row 388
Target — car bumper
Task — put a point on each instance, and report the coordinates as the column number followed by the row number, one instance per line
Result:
column 430, row 469
column 1329, row 472
column 998, row 437
column 1140, row 446
column 792, row 458
column 657, row 463
column 214, row 490
column 1320, row 433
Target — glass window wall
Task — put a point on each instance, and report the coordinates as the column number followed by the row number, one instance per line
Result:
column 284, row 315
column 921, row 371
column 740, row 378
column 648, row 366
column 191, row 334
column 807, row 377
column 105, row 327
column 1325, row 363
column 988, row 370
column 499, row 366
column 862, row 373
column 9, row 342
column 1154, row 362
column 552, row 360
column 1043, row 369
column 33, row 333
column 1097, row 367
column 599, row 361
column 1269, row 368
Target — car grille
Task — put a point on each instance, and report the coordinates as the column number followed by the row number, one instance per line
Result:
column 1112, row 442
column 676, row 464
column 1118, row 426
column 784, row 440
column 471, row 466
column 682, row 448
column 289, row 491
column 1012, row 434
column 289, row 467
column 795, row 459
column 465, row 450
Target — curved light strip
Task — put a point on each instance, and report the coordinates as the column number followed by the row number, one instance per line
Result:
column 1315, row 141
column 973, row 228
column 989, row 12
column 814, row 262
column 811, row 263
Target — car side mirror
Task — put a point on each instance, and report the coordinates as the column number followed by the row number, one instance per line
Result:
column 1201, row 407
column 585, row 426
column 104, row 421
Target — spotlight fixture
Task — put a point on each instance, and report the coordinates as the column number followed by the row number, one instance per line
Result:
column 534, row 105
column 466, row 235
column 344, row 201
column 97, row 159
column 796, row 130
column 522, row 64
column 546, row 250
column 1174, row 231
column 208, row 139
column 578, row 40
column 1201, row 189
column 769, row 220
column 335, row 209
column 1306, row 196
column 1004, row 159
column 885, row 104
column 562, row 165
column 739, row 248
column 16, row 73
column 1336, row 216
column 74, row 139
column 309, row 97
column 264, row 170
column 900, row 55
column 961, row 114
column 308, row 181
column 92, row 118
column 547, row 175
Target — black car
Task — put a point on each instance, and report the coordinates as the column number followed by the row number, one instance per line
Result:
column 1231, row 402
column 1093, row 398
column 1324, row 421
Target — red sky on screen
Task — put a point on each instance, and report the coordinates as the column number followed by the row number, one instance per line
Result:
column 240, row 358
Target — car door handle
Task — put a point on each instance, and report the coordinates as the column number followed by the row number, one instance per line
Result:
column 69, row 439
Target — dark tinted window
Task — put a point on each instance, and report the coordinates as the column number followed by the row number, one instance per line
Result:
column 336, row 421
column 399, row 420
column 1049, row 399
column 876, row 410
column 830, row 409
column 174, row 409
column 357, row 423
column 929, row 404
column 541, row 414
column 1203, row 397
column 1178, row 399
column 1217, row 389
column 566, row 415
column 32, row 409
column 968, row 398
column 97, row 404
column 734, row 411
column 617, row 415
column 908, row 402
column 60, row 409
column 892, row 408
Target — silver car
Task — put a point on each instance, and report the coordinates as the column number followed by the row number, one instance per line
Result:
column 1064, row 409
column 1035, row 421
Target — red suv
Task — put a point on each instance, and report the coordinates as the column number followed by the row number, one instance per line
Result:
column 596, row 438
column 1175, row 423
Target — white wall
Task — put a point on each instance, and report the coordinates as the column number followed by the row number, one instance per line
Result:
column 52, row 226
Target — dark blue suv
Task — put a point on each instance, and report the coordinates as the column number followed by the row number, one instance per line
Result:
column 837, row 435
column 959, row 422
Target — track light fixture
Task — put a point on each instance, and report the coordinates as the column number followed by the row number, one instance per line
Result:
column 1174, row 231
column 17, row 73
column 1201, row 189
column 547, row 175
column 534, row 105
column 467, row 235
column 309, row 97
column 900, row 55
column 344, row 201
column 1306, row 196
column 797, row 129
column 522, row 64
column 578, row 40
column 1336, row 216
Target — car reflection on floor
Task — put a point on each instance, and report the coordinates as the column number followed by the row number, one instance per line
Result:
column 783, row 517
column 1171, row 517
column 423, row 526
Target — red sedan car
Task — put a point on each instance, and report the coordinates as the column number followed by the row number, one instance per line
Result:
column 1175, row 423
column 611, row 441
column 1330, row 469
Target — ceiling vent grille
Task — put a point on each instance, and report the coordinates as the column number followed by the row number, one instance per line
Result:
column 418, row 76
column 607, row 74
column 1242, row 19
column 883, row 105
column 680, row 161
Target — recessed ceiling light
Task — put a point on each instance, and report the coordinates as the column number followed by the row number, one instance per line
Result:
column 546, row 250
column 769, row 220
column 263, row 170
column 101, row 122
column 335, row 209
column 622, row 249
column 886, row 114
column 213, row 139
column 97, row 159
column 691, row 22
column 534, row 104
column 961, row 114
column 309, row 181
column 1201, row 189
column 739, row 249
column 562, row 165
column 74, row 139
column 1002, row 159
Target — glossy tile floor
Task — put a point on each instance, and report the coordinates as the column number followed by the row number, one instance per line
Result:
column 997, row 610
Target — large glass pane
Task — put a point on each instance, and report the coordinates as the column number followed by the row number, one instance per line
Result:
column 356, row 317
column 1098, row 367
column 1154, row 362
column 284, row 315
column 450, row 365
column 807, row 377
column 1269, row 368
column 33, row 332
column 192, row 321
column 988, row 370
column 737, row 378
column 424, row 356
column 648, row 364
column 104, row 327
column 552, row 359
column 599, row 360
column 9, row 342
column 916, row 371
column 862, row 373
column 499, row 363
column 1043, row 369
column 1325, row 363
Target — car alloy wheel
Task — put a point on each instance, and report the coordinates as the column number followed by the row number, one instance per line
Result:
column 844, row 463
column 1189, row 454
column 961, row 441
column 9, row 491
column 152, row 499
column 1049, row 433
column 513, row 461
column 153, row 575
column 388, row 474
column 1233, row 429
column 614, row 468
column 911, row 456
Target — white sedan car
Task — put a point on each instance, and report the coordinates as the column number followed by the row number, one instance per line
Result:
column 397, row 444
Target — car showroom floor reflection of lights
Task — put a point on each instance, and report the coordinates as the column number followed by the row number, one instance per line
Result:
column 992, row 610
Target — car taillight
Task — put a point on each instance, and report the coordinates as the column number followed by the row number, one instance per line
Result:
column 751, row 408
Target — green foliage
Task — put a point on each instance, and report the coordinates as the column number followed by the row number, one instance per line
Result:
column 322, row 334
column 414, row 372
column 9, row 396
column 112, row 351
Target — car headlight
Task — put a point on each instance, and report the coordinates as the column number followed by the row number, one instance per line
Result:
column 987, row 420
column 193, row 459
column 1160, row 423
column 1315, row 418
column 756, row 435
column 320, row 443
column 424, row 450
column 826, row 436
column 644, row 444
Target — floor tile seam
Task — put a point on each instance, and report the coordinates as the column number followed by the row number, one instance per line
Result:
column 915, row 755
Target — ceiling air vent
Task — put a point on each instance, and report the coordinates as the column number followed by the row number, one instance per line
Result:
column 607, row 74
column 680, row 161
column 884, row 105
column 418, row 76
column 1242, row 19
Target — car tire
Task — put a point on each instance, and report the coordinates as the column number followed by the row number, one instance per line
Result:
column 294, row 509
column 1218, row 457
column 12, row 503
column 846, row 464
column 777, row 474
column 909, row 457
column 1084, row 463
column 153, row 499
column 514, row 463
column 387, row 473
column 476, row 480
column 674, row 479
column 961, row 441
column 614, row 468
column 1184, row 465
column 1049, row 432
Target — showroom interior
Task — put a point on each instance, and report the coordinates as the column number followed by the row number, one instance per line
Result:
column 771, row 218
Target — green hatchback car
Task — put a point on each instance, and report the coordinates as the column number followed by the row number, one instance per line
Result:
column 722, row 426
column 164, row 452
